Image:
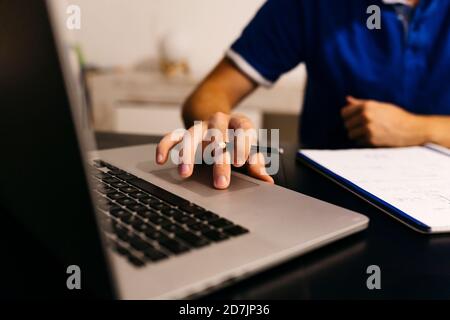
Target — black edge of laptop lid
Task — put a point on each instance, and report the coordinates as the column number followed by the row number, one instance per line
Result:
column 43, row 186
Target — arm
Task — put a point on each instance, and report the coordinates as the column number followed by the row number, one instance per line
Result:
column 220, row 91
column 380, row 124
column 436, row 129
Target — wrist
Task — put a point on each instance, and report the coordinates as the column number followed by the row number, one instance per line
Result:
column 424, row 129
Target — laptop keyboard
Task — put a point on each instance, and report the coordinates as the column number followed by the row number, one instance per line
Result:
column 148, row 224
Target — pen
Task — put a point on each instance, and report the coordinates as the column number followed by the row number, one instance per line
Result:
column 254, row 148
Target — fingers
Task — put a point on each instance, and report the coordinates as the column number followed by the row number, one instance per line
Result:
column 357, row 133
column 221, row 167
column 222, row 173
column 355, row 119
column 165, row 145
column 351, row 110
column 353, row 107
column 209, row 135
column 257, row 168
column 354, row 101
column 354, row 122
column 244, row 138
column 363, row 136
column 191, row 142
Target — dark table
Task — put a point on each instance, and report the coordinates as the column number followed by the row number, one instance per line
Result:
column 412, row 265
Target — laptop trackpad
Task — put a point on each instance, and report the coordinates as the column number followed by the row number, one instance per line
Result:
column 201, row 181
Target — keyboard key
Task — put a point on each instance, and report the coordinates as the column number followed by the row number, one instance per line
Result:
column 139, row 195
column 192, row 239
column 222, row 222
column 119, row 213
column 191, row 208
column 158, row 192
column 121, row 249
column 99, row 164
column 135, row 260
column 179, row 215
column 115, row 195
column 206, row 216
column 185, row 220
column 113, row 207
column 171, row 212
column 126, row 201
column 139, row 244
column 126, row 177
column 159, row 206
column 146, row 213
column 155, row 218
column 150, row 201
column 154, row 255
column 116, row 172
column 110, row 166
column 156, row 235
column 119, row 184
column 101, row 175
column 128, row 189
column 136, row 206
column 215, row 235
column 173, row 246
column 121, row 231
column 136, row 223
column 159, row 220
column 129, row 219
column 199, row 226
column 104, row 189
column 142, row 227
column 110, row 179
column 235, row 230
column 173, row 228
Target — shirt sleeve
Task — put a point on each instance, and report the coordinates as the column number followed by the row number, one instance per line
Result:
column 271, row 43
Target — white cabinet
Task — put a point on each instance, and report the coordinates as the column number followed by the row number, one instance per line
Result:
column 149, row 103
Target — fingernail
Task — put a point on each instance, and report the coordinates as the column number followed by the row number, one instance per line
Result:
column 159, row 158
column 221, row 182
column 184, row 169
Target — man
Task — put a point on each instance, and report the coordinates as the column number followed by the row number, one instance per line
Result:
column 383, row 87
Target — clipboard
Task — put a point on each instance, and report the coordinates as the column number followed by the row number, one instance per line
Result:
column 377, row 201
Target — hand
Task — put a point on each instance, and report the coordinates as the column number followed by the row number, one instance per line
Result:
column 372, row 123
column 221, row 169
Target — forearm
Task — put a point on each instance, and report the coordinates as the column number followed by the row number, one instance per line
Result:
column 221, row 91
column 436, row 129
column 208, row 99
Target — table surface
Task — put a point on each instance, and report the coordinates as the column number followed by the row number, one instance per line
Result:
column 413, row 265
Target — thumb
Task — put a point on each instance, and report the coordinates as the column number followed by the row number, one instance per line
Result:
column 354, row 101
column 257, row 169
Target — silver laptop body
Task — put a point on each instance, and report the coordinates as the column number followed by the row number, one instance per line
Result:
column 282, row 224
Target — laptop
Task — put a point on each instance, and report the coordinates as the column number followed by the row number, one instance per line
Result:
column 134, row 229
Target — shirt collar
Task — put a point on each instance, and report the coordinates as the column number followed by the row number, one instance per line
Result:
column 404, row 2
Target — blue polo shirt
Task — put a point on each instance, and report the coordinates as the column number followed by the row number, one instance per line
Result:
column 407, row 66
